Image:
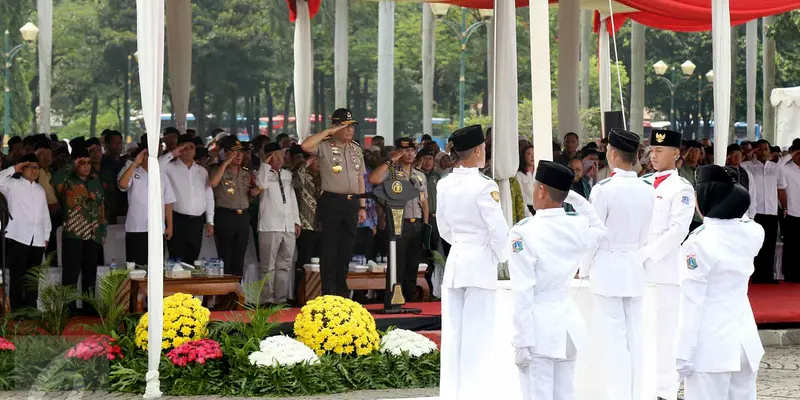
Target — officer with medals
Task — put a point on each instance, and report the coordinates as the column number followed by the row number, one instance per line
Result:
column 409, row 247
column 233, row 185
column 624, row 203
column 469, row 218
column 340, row 208
column 672, row 215
column 718, row 349
column 546, row 251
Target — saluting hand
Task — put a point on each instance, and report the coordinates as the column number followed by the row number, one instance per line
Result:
column 140, row 158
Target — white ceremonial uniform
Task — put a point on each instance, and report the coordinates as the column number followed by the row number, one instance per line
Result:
column 29, row 224
column 469, row 217
column 672, row 215
column 624, row 203
column 277, row 216
column 546, row 251
column 716, row 329
column 136, row 221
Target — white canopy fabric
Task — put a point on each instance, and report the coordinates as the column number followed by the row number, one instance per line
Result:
column 179, row 38
column 44, row 9
column 787, row 114
column 303, row 69
column 150, row 43
column 385, row 124
column 540, row 82
column 721, row 44
column 340, row 55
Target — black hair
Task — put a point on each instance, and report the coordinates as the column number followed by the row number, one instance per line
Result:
column 556, row 195
column 762, row 141
column 628, row 157
column 14, row 140
column 522, row 164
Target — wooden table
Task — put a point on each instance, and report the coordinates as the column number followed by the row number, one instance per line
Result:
column 312, row 285
column 196, row 286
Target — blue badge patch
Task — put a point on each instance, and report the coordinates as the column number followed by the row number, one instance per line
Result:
column 685, row 200
column 691, row 262
column 516, row 245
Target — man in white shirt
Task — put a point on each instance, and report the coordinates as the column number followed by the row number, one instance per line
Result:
column 624, row 203
column 791, row 223
column 28, row 229
column 133, row 180
column 278, row 225
column 193, row 210
column 768, row 185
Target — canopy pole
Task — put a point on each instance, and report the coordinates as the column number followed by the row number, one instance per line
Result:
column 303, row 70
column 540, row 81
column 341, row 53
column 44, row 9
column 768, row 76
column 428, row 65
column 604, row 66
column 586, row 55
column 721, row 39
column 750, row 65
column 569, row 120
column 386, row 70
column 637, row 77
column 505, row 146
column 179, row 39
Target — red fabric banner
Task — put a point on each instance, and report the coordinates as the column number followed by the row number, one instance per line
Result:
column 313, row 8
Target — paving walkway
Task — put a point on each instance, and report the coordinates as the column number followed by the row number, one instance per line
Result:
column 778, row 379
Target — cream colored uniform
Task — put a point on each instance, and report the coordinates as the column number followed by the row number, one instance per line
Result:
column 716, row 330
column 624, row 203
column 672, row 214
column 546, row 251
column 469, row 218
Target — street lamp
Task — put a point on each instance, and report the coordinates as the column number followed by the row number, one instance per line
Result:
column 700, row 89
column 463, row 34
column 132, row 59
column 29, row 32
column 660, row 69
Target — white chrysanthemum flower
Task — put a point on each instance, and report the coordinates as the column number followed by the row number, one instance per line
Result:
column 282, row 351
column 398, row 341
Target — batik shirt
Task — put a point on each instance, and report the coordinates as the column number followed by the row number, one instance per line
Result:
column 82, row 207
column 308, row 190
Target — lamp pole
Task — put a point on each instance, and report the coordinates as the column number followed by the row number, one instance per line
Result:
column 463, row 33
column 29, row 32
column 128, row 85
column 660, row 69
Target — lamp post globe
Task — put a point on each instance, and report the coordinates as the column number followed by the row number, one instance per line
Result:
column 688, row 68
column 29, row 32
column 486, row 13
column 439, row 9
column 710, row 76
column 660, row 68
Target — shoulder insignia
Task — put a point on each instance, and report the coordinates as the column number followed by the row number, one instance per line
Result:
column 516, row 245
column 523, row 221
column 604, row 181
column 698, row 230
column 691, row 262
column 648, row 175
column 484, row 176
column 748, row 220
column 496, row 196
column 572, row 213
column 356, row 143
column 685, row 200
column 647, row 182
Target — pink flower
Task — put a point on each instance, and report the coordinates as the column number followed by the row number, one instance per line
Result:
column 6, row 345
column 197, row 351
column 95, row 346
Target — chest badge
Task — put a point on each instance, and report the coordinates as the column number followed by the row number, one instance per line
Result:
column 397, row 187
column 691, row 262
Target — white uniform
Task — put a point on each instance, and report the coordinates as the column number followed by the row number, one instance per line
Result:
column 624, row 203
column 716, row 330
column 546, row 251
column 672, row 215
column 469, row 217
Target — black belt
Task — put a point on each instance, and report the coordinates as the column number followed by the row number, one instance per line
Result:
column 348, row 196
column 231, row 210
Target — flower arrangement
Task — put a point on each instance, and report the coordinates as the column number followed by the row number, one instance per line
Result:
column 338, row 325
column 185, row 319
column 197, row 351
column 399, row 341
column 6, row 345
column 282, row 351
column 95, row 346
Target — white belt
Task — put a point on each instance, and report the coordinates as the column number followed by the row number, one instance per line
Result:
column 550, row 296
column 480, row 240
column 620, row 247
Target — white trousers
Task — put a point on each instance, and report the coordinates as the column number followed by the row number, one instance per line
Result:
column 277, row 252
column 550, row 378
column 467, row 329
column 617, row 322
column 737, row 385
column 666, row 299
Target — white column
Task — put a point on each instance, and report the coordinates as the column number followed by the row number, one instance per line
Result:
column 604, row 65
column 587, row 21
column 303, row 69
column 505, row 147
column 750, row 71
column 490, row 62
column 340, row 54
column 44, row 9
column 428, row 63
column 179, row 41
column 768, row 76
column 569, row 44
column 540, row 81
column 637, row 77
column 721, row 42
column 386, row 70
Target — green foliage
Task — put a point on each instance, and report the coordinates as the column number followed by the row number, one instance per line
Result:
column 109, row 302
column 36, row 363
column 54, row 298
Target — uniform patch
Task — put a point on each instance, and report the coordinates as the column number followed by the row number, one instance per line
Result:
column 496, row 196
column 691, row 262
column 685, row 200
column 516, row 245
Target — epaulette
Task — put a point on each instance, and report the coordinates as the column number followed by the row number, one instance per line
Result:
column 572, row 213
column 604, row 181
column 686, row 181
column 647, row 182
column 356, row 143
column 444, row 175
column 696, row 231
column 522, row 221
column 484, row 176
column 648, row 175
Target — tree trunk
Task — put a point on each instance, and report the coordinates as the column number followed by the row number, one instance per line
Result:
column 201, row 106
column 322, row 112
column 286, row 106
column 233, row 122
column 93, row 120
column 257, row 113
column 317, row 89
column 270, row 106
column 485, row 108
column 248, row 116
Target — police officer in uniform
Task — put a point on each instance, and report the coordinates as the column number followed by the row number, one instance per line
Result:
column 340, row 208
column 672, row 214
column 409, row 247
column 234, row 185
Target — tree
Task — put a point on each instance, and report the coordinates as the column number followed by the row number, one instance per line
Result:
column 14, row 14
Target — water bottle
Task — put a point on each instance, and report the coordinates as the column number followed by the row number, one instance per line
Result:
column 362, row 259
column 113, row 265
column 220, row 267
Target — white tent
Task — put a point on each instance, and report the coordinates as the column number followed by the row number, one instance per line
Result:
column 787, row 114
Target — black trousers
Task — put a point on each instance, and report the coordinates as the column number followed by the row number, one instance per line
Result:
column 187, row 237
column 136, row 247
column 791, row 253
column 365, row 243
column 81, row 257
column 232, row 233
column 308, row 246
column 338, row 218
column 20, row 258
column 765, row 260
column 409, row 254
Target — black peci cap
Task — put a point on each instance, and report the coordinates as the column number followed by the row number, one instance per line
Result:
column 624, row 140
column 554, row 175
column 467, row 138
column 663, row 137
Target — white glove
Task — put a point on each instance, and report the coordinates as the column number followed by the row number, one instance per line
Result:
column 685, row 368
column 523, row 357
column 574, row 199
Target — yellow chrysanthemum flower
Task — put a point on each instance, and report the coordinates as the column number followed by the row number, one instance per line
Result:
column 185, row 319
column 338, row 325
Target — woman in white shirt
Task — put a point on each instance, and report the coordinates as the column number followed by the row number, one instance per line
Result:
column 525, row 176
